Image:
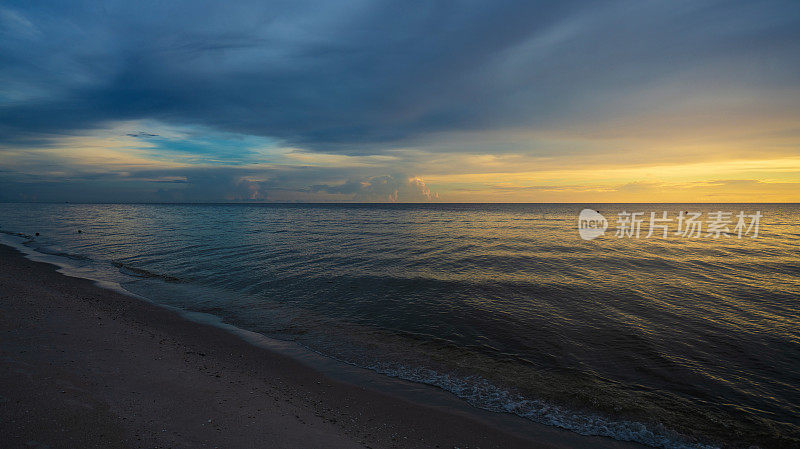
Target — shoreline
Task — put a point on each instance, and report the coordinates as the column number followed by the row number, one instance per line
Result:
column 84, row 365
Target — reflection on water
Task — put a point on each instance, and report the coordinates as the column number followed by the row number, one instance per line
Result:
column 502, row 304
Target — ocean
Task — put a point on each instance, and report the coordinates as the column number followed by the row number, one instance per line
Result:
column 671, row 342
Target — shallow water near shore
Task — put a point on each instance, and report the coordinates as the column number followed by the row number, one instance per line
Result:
column 669, row 342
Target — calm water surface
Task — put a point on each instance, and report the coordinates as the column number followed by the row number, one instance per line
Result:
column 671, row 342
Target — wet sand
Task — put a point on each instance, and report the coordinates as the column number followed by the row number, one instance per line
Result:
column 82, row 366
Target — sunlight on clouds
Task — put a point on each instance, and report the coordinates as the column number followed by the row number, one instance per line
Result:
column 683, row 172
column 83, row 153
column 736, row 180
column 605, row 101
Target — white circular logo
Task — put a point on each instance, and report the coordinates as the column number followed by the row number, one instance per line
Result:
column 591, row 224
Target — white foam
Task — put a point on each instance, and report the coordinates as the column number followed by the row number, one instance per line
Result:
column 480, row 393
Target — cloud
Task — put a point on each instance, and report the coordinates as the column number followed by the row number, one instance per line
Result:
column 17, row 25
column 216, row 184
column 366, row 77
column 391, row 188
column 359, row 101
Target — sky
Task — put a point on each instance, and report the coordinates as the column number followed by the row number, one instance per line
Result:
column 407, row 101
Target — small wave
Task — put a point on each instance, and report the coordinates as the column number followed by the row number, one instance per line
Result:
column 55, row 252
column 42, row 248
column 17, row 234
column 480, row 393
column 142, row 273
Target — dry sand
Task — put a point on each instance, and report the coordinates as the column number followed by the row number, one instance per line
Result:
column 82, row 366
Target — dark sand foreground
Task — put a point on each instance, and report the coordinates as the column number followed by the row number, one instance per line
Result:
column 81, row 366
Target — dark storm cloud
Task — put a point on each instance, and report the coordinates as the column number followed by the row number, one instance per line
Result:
column 361, row 77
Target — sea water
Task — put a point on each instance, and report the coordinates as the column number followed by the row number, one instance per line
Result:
column 671, row 342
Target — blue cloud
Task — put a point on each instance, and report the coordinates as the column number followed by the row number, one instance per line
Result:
column 365, row 77
column 206, row 146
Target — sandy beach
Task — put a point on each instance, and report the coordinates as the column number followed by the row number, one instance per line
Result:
column 87, row 367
